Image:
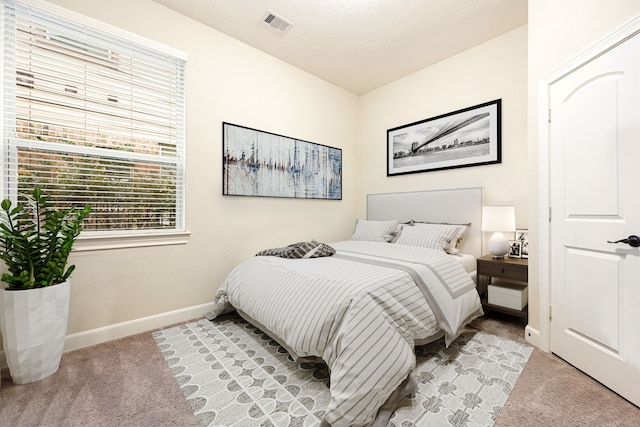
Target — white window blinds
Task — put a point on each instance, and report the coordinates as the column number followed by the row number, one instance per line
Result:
column 94, row 116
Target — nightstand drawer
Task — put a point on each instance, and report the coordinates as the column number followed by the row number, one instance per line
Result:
column 504, row 270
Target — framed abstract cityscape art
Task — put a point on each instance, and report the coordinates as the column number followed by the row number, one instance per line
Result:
column 258, row 163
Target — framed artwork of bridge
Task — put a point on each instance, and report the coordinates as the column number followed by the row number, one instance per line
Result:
column 462, row 138
column 264, row 164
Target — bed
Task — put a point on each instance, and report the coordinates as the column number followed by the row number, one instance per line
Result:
column 361, row 305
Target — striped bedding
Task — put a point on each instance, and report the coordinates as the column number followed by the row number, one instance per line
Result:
column 362, row 311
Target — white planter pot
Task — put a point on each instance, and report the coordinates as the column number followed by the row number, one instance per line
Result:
column 34, row 326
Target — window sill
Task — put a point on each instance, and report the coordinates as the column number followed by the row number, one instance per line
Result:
column 129, row 240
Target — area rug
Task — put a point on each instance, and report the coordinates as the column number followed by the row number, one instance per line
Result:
column 232, row 374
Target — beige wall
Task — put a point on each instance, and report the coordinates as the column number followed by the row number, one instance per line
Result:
column 495, row 69
column 226, row 81
column 559, row 31
column 229, row 81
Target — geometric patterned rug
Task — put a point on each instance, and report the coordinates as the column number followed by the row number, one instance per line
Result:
column 232, row 374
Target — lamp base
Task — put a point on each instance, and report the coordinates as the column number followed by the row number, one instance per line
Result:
column 498, row 245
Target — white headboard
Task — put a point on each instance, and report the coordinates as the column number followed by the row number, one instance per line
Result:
column 455, row 206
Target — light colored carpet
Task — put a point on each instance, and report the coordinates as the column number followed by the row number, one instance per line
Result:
column 127, row 383
column 232, row 374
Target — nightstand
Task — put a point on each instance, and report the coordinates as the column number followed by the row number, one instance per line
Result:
column 512, row 270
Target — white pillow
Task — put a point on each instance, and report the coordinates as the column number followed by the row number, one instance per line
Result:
column 433, row 236
column 452, row 246
column 374, row 231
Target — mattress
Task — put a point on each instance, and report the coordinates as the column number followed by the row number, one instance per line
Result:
column 467, row 261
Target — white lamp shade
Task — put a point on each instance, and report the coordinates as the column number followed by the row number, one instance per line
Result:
column 498, row 218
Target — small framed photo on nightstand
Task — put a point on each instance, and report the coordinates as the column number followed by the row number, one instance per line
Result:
column 515, row 248
column 523, row 237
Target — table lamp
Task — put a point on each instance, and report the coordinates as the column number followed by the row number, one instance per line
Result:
column 499, row 219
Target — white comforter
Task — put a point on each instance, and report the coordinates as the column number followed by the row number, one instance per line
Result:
column 361, row 310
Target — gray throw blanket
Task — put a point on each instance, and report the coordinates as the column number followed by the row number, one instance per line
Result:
column 300, row 250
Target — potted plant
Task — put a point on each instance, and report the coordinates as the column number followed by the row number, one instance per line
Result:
column 35, row 243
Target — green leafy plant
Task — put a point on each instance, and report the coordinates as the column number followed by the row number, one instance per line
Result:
column 37, row 240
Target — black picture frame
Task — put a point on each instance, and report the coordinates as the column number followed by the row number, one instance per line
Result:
column 515, row 249
column 463, row 138
column 522, row 235
column 265, row 164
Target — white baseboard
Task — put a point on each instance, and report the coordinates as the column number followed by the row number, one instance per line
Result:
column 532, row 336
column 124, row 329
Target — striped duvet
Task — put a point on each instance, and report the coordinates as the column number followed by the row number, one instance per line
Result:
column 361, row 311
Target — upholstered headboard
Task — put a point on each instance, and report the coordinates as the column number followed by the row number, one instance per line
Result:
column 455, row 206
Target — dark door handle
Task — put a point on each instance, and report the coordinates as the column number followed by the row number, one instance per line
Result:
column 632, row 240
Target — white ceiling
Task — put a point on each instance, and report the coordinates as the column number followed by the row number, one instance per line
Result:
column 360, row 45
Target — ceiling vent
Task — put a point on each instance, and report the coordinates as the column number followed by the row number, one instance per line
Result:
column 277, row 22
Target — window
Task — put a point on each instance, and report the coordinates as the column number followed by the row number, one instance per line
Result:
column 94, row 116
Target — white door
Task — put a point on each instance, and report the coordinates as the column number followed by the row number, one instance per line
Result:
column 594, row 148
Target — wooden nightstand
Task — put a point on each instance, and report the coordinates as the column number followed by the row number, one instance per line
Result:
column 512, row 269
